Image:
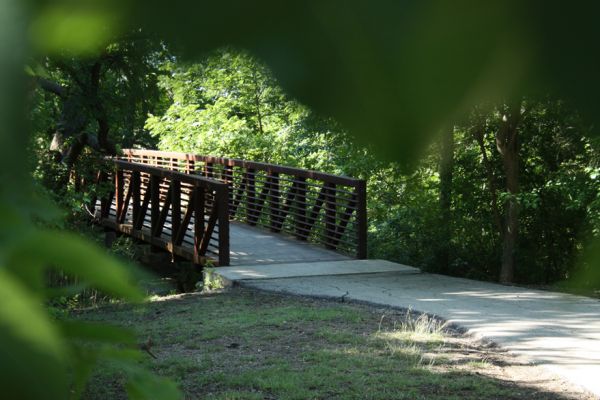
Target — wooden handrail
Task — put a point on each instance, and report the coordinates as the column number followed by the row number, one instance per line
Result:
column 236, row 162
column 196, row 180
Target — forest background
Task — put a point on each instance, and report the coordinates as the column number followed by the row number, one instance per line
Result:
column 522, row 174
column 508, row 191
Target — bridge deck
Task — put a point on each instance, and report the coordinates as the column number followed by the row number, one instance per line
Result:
column 251, row 245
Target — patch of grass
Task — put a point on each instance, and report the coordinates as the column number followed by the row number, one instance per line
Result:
column 249, row 345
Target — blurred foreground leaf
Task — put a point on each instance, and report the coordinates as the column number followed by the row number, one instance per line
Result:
column 30, row 346
column 86, row 331
column 79, row 27
column 393, row 73
column 144, row 385
column 76, row 256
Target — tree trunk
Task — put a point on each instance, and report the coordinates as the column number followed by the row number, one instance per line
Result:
column 257, row 95
column 479, row 134
column 99, row 110
column 508, row 145
column 511, row 222
column 446, row 168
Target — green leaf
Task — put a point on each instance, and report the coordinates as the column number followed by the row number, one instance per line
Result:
column 96, row 332
column 30, row 346
column 143, row 385
column 80, row 29
column 78, row 257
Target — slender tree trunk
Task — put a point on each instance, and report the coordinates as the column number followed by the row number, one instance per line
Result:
column 74, row 151
column 259, row 115
column 99, row 110
column 511, row 223
column 479, row 135
column 257, row 95
column 508, row 145
column 446, row 175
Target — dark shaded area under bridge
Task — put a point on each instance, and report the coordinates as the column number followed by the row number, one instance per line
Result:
column 252, row 213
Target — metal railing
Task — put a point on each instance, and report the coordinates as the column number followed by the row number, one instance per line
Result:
column 326, row 209
column 185, row 214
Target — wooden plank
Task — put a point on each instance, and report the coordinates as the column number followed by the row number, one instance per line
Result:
column 138, row 222
column 228, row 178
column 312, row 218
column 210, row 226
column 344, row 220
column 208, row 170
column 119, row 187
column 330, row 216
column 222, row 204
column 154, row 201
column 361, row 219
column 157, row 230
column 250, row 197
column 198, row 206
column 287, row 205
column 301, row 202
column 145, row 235
column 193, row 179
column 175, row 206
column 187, row 217
column 135, row 185
column 234, row 162
column 125, row 207
column 258, row 204
column 274, row 201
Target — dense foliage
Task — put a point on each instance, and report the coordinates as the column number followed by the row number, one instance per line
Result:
column 95, row 103
column 389, row 72
column 230, row 105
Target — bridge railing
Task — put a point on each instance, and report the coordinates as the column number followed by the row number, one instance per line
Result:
column 326, row 209
column 185, row 214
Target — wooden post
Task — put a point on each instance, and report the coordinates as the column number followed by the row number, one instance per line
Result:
column 119, row 188
column 139, row 221
column 222, row 200
column 361, row 219
column 154, row 202
column 175, row 209
column 274, row 201
column 190, row 166
column 250, row 196
column 228, row 178
column 208, row 170
column 301, row 204
column 330, row 215
column 135, row 194
column 198, row 219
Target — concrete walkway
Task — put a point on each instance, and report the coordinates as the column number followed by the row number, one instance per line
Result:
column 558, row 331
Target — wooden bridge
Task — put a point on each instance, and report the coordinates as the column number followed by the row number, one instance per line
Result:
column 233, row 212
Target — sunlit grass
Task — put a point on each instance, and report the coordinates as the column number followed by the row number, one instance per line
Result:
column 248, row 345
